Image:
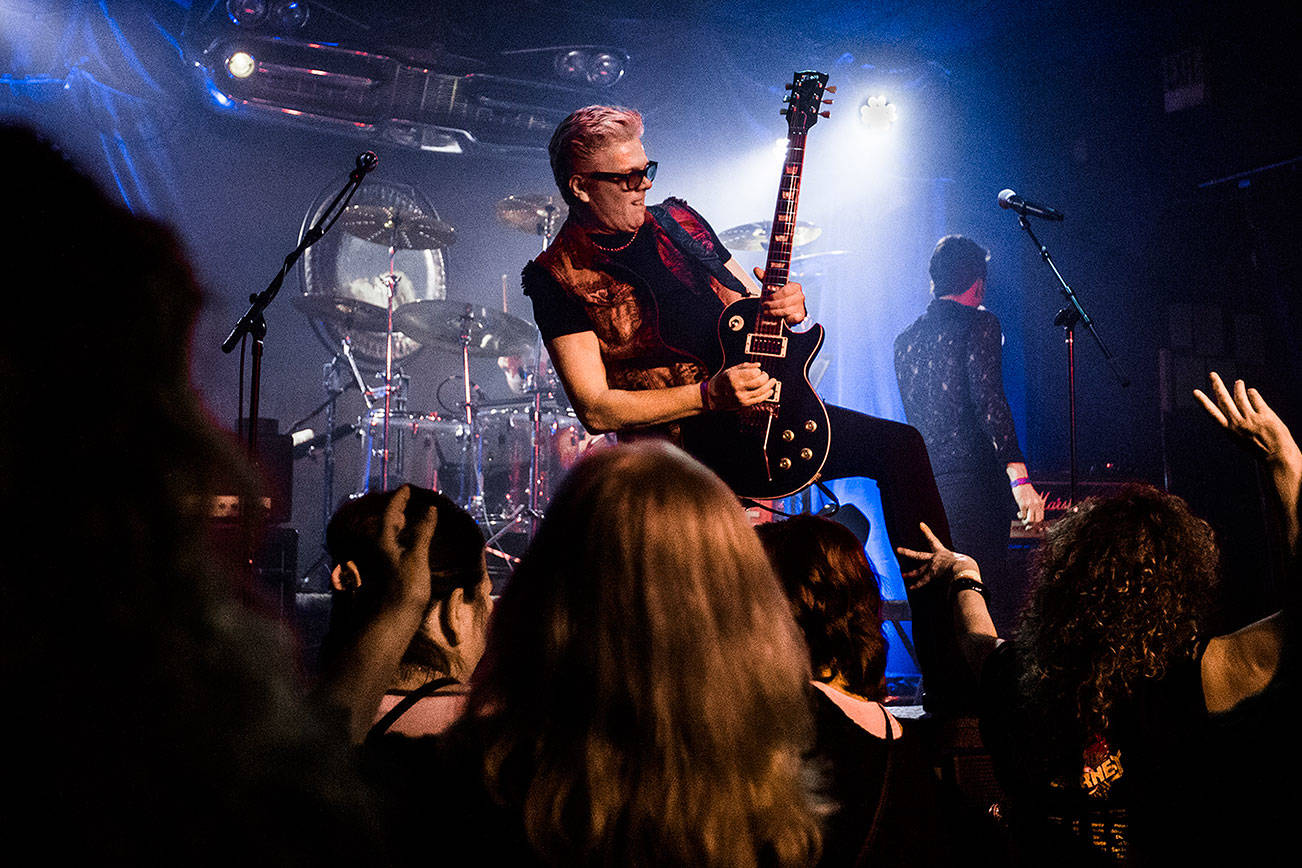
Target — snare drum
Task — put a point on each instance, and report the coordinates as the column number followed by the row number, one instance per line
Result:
column 423, row 450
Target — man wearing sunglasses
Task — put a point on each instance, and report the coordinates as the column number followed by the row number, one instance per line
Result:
column 627, row 299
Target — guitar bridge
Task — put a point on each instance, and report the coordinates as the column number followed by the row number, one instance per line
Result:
column 777, row 393
column 773, row 346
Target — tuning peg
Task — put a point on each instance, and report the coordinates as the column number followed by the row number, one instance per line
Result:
column 828, row 101
column 782, row 112
column 830, row 88
column 787, row 85
column 824, row 114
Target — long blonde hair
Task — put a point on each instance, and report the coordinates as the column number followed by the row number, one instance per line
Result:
column 643, row 696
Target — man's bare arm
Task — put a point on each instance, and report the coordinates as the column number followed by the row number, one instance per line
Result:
column 600, row 408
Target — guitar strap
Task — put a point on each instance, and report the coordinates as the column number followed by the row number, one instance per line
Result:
column 429, row 688
column 684, row 241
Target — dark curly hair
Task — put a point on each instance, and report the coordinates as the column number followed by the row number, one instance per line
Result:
column 1125, row 586
column 835, row 596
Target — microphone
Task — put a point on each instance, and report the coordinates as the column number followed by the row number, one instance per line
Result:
column 366, row 161
column 1009, row 199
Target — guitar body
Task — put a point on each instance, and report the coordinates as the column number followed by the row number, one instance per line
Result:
column 776, row 448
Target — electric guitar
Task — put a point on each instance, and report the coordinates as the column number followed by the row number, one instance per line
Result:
column 777, row 447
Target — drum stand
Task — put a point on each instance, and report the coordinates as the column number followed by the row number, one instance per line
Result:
column 391, row 281
column 476, row 505
column 533, row 384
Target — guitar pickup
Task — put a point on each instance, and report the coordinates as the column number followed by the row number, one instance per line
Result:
column 774, row 346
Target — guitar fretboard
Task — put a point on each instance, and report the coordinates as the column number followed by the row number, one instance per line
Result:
column 782, row 235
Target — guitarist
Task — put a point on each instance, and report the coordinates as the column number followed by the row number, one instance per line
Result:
column 627, row 299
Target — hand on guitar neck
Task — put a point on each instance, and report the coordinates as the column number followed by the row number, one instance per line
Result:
column 786, row 302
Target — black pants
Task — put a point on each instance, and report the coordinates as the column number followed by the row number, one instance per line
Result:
column 894, row 455
column 980, row 506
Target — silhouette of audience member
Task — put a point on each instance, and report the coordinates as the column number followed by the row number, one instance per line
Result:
column 642, row 698
column 430, row 686
column 1112, row 716
column 160, row 721
column 883, row 789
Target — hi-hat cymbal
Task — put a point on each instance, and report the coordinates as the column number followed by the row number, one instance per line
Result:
column 352, row 313
column 755, row 236
column 535, row 213
column 401, row 228
column 439, row 322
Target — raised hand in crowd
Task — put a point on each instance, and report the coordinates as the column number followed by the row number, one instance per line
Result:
column 973, row 626
column 357, row 678
column 1252, row 422
column 939, row 563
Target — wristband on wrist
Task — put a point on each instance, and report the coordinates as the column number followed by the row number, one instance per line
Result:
column 966, row 583
column 705, row 394
column 1021, row 480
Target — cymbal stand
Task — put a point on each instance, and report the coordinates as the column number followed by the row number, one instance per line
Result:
column 472, row 428
column 546, row 230
column 391, row 281
column 547, row 225
column 335, row 388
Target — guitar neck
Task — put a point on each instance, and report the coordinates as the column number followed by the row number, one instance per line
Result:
column 782, row 236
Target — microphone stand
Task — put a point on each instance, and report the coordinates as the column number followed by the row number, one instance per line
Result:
column 254, row 324
column 1067, row 318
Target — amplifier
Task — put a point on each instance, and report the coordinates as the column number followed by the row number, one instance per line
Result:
column 275, row 464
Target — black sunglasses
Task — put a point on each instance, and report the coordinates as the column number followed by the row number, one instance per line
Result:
column 631, row 180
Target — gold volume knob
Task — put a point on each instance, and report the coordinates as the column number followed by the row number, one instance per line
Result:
column 788, row 435
column 784, row 464
column 811, row 426
column 806, row 454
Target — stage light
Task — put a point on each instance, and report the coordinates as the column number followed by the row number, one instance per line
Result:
column 240, row 64
column 598, row 68
column 572, row 65
column 290, row 14
column 877, row 112
column 604, row 69
column 246, row 13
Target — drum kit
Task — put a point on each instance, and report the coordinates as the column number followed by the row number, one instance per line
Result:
column 501, row 459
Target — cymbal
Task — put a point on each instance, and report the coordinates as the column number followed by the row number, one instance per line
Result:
column 440, row 322
column 404, row 229
column 755, row 236
column 529, row 213
column 349, row 312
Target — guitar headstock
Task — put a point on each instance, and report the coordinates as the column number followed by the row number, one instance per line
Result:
column 805, row 100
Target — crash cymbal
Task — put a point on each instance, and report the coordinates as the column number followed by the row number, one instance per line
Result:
column 440, row 322
column 755, row 236
column 352, row 313
column 530, row 212
column 402, row 228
